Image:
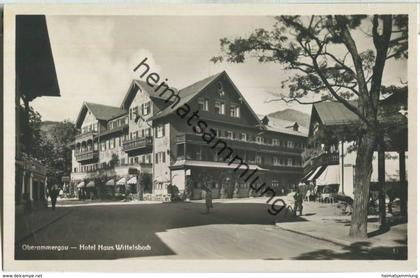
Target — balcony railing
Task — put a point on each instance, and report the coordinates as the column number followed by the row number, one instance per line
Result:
column 86, row 155
column 118, row 129
column 237, row 143
column 85, row 136
column 325, row 159
column 34, row 166
column 138, row 143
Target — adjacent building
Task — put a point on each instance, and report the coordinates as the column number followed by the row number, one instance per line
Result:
column 330, row 159
column 155, row 131
column 35, row 77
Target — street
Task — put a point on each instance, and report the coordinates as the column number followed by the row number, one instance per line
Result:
column 233, row 230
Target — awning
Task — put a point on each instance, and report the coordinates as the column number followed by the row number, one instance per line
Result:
column 111, row 182
column 331, row 175
column 91, row 184
column 314, row 173
column 307, row 175
column 133, row 180
column 121, row 181
column 161, row 179
column 80, row 185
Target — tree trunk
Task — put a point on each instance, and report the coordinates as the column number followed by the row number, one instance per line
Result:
column 363, row 171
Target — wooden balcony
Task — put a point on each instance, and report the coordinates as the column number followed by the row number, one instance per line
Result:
column 325, row 159
column 138, row 144
column 85, row 136
column 238, row 144
column 86, row 155
column 32, row 165
column 116, row 130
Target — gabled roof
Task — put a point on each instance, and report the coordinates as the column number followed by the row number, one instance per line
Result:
column 335, row 113
column 144, row 86
column 187, row 94
column 100, row 111
column 191, row 91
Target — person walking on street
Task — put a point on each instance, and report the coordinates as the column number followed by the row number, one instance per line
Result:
column 298, row 202
column 209, row 200
column 53, row 195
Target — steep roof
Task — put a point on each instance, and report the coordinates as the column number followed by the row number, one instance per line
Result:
column 187, row 94
column 334, row 113
column 35, row 68
column 143, row 85
column 100, row 111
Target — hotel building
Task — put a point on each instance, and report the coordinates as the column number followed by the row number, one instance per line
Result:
column 147, row 133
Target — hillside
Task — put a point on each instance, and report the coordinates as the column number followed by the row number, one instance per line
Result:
column 46, row 128
column 292, row 116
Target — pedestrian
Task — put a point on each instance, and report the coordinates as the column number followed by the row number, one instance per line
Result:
column 298, row 202
column 53, row 195
column 209, row 200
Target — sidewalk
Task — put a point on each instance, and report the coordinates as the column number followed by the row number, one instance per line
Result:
column 29, row 223
column 88, row 202
column 325, row 222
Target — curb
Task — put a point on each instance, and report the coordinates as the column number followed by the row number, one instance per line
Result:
column 31, row 233
column 340, row 243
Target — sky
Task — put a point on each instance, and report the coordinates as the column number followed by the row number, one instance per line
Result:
column 95, row 57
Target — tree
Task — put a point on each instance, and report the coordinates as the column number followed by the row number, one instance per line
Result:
column 325, row 59
column 56, row 150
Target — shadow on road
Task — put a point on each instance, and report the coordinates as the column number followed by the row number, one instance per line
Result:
column 358, row 251
column 135, row 224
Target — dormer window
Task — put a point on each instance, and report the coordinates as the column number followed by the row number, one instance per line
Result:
column 146, row 108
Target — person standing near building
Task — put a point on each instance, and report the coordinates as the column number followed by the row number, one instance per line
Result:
column 298, row 201
column 53, row 195
column 209, row 200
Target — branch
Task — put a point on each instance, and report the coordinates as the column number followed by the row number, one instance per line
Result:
column 289, row 100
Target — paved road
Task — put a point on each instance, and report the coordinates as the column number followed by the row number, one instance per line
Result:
column 176, row 230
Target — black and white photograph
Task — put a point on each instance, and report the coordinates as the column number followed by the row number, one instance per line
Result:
column 213, row 136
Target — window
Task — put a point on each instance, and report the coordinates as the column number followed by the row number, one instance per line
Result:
column 220, row 89
column 148, row 158
column 234, row 111
column 243, row 136
column 163, row 157
column 229, row 134
column 218, row 132
column 219, row 107
column 203, row 104
column 148, row 132
column 276, row 142
column 136, row 160
column 112, row 143
column 146, row 108
column 160, row 131
column 259, row 139
column 290, row 144
column 276, row 160
column 289, row 162
column 258, row 159
column 157, row 158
